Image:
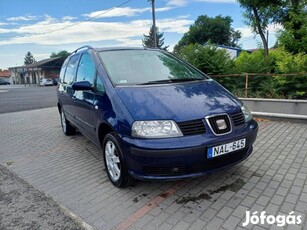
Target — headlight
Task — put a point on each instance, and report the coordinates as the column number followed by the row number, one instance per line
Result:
column 247, row 114
column 155, row 129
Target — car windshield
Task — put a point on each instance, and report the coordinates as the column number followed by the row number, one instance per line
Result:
column 126, row 67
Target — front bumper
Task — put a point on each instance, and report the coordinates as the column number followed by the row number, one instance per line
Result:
column 184, row 157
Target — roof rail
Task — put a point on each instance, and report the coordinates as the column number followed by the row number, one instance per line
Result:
column 81, row 48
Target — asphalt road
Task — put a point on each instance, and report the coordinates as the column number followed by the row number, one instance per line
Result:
column 19, row 98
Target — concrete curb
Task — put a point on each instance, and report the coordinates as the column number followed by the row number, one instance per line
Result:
column 273, row 100
column 280, row 116
column 75, row 217
column 277, row 108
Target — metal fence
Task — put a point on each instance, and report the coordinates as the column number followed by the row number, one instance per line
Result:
column 247, row 77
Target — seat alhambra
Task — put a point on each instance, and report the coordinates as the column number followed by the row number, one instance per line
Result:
column 154, row 115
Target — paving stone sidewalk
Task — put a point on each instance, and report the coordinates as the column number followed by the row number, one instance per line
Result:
column 24, row 207
column 71, row 171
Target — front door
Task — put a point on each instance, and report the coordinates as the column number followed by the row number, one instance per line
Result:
column 65, row 89
column 84, row 100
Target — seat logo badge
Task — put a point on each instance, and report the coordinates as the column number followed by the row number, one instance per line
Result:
column 221, row 124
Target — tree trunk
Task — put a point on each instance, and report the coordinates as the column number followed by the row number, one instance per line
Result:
column 261, row 33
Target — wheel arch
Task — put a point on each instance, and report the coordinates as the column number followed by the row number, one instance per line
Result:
column 59, row 107
column 103, row 130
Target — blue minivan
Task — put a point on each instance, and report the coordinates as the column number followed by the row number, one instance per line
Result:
column 155, row 116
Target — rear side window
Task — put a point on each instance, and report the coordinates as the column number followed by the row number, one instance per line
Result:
column 71, row 70
column 86, row 69
column 62, row 73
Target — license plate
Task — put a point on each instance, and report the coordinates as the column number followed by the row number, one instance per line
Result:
column 226, row 148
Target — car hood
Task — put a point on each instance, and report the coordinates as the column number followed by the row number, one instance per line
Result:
column 179, row 102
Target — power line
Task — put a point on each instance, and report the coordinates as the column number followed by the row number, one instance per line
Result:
column 74, row 24
column 248, row 38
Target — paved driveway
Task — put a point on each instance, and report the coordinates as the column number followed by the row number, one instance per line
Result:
column 71, row 171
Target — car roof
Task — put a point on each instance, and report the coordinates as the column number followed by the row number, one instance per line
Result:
column 122, row 48
column 111, row 49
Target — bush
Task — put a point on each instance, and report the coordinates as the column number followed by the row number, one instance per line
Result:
column 214, row 61
column 254, row 63
column 285, row 62
column 281, row 62
column 209, row 59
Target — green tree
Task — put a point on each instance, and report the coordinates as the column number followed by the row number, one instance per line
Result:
column 62, row 54
column 205, row 29
column 258, row 15
column 293, row 17
column 148, row 40
column 29, row 59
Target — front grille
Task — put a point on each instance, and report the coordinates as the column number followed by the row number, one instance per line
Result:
column 164, row 171
column 218, row 162
column 192, row 127
column 214, row 126
column 238, row 119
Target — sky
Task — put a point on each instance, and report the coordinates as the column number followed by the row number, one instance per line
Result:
column 46, row 26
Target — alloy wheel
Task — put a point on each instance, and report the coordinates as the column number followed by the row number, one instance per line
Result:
column 112, row 161
column 63, row 122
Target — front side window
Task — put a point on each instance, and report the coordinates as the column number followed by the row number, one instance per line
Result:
column 86, row 69
column 99, row 85
column 71, row 70
column 146, row 66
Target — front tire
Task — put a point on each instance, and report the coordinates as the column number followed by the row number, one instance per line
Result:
column 114, row 162
column 67, row 128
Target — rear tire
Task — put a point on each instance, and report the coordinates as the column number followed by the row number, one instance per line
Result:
column 114, row 162
column 67, row 128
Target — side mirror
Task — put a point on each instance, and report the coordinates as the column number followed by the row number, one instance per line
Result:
column 81, row 85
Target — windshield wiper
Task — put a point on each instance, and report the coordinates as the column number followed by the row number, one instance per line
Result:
column 165, row 81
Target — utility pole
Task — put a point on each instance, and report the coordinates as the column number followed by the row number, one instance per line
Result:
column 154, row 22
